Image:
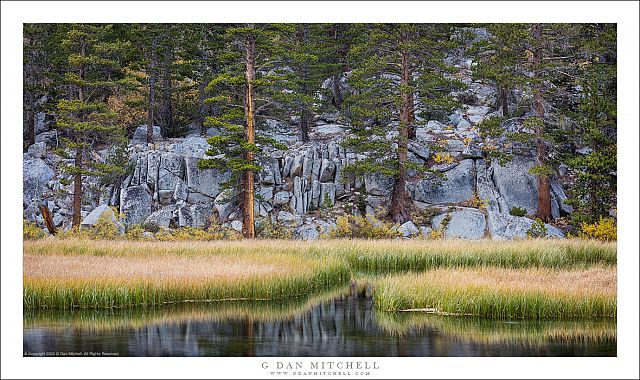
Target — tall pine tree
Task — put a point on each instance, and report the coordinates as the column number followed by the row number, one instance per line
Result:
column 399, row 68
column 85, row 120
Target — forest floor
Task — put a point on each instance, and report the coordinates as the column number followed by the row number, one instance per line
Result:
column 512, row 279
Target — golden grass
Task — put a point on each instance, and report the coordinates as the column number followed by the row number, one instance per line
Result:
column 66, row 273
column 502, row 292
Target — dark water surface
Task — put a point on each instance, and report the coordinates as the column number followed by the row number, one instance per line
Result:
column 322, row 326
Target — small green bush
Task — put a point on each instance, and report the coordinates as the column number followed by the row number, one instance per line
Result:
column 518, row 211
column 362, row 227
column 605, row 229
column 538, row 229
column 31, row 231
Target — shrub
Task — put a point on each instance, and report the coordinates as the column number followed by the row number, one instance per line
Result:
column 538, row 229
column 152, row 227
column 267, row 229
column 31, row 231
column 192, row 233
column 474, row 202
column 105, row 228
column 441, row 158
column 362, row 227
column 74, row 233
column 518, row 211
column 605, row 229
column 326, row 202
column 135, row 232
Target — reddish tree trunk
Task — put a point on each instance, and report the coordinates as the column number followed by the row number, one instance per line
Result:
column 544, row 192
column 399, row 199
column 248, row 227
column 48, row 220
column 77, row 177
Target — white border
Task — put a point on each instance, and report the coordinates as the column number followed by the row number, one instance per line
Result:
column 623, row 13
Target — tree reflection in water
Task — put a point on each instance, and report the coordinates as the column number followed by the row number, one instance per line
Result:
column 328, row 325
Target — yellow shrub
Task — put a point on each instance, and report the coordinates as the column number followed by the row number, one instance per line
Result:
column 443, row 158
column 605, row 229
column 105, row 228
column 362, row 227
column 31, row 231
column 135, row 232
column 436, row 234
column 191, row 233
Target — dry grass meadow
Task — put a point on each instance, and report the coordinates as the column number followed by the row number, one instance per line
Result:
column 492, row 278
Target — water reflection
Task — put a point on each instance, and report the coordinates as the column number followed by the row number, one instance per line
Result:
column 327, row 325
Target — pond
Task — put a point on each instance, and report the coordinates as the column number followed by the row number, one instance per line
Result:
column 326, row 325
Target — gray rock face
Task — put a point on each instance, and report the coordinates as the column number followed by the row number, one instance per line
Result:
column 171, row 170
column 163, row 217
column 36, row 174
column 517, row 187
column 487, row 191
column 192, row 146
column 419, row 150
column 135, row 203
column 200, row 214
column 463, row 224
column 236, row 225
column 288, row 219
column 37, row 150
column 457, row 187
column 508, row 227
column 378, row 184
column 91, row 219
column 327, row 130
column 204, row 184
column 281, row 198
column 225, row 204
column 307, row 232
column 408, row 229
column 140, row 135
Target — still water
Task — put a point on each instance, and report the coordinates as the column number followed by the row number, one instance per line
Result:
column 330, row 325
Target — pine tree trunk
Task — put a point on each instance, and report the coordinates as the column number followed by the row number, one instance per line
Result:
column 305, row 120
column 202, row 109
column 77, row 177
column 167, row 89
column 152, row 95
column 412, row 118
column 31, row 119
column 504, row 102
column 77, row 189
column 337, row 93
column 544, row 192
column 399, row 199
column 248, row 227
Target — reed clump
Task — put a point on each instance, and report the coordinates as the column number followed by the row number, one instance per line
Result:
column 534, row 293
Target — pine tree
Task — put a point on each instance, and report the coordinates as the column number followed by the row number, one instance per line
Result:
column 93, row 70
column 593, row 194
column 396, row 65
column 499, row 60
column 251, row 86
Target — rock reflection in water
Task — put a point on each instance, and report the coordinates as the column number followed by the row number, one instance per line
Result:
column 339, row 326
